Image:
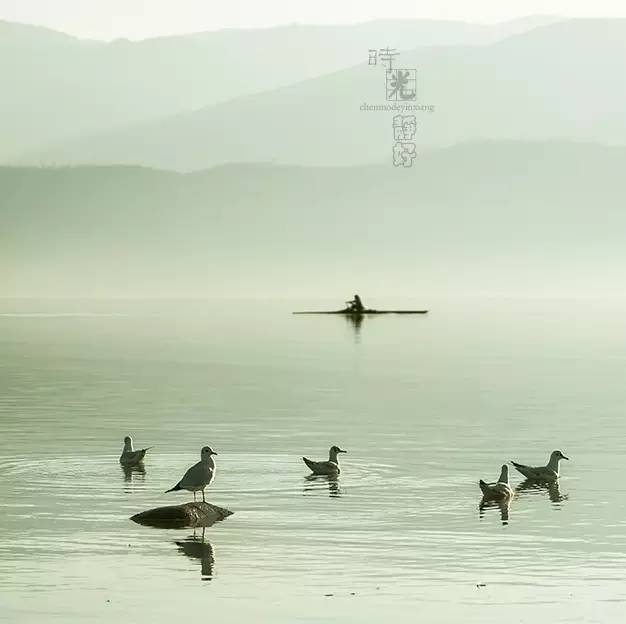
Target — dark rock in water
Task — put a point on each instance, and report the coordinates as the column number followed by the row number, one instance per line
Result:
column 181, row 516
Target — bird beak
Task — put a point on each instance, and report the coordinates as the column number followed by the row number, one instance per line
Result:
column 342, row 451
column 563, row 457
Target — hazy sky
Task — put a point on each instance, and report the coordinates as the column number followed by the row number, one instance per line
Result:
column 137, row 19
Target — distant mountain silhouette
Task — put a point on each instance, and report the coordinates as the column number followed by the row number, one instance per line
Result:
column 559, row 81
column 26, row 35
column 480, row 216
column 58, row 88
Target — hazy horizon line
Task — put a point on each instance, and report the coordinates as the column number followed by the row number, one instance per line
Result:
column 281, row 25
column 254, row 164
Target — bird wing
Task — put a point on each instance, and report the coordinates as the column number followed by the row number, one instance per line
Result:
column 313, row 466
column 190, row 477
column 494, row 489
column 528, row 471
column 544, row 473
column 503, row 489
column 484, row 487
column 198, row 475
column 535, row 472
column 139, row 455
column 132, row 457
column 323, row 467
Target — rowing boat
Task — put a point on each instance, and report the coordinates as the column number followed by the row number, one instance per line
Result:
column 347, row 312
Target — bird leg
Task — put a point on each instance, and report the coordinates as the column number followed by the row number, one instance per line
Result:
column 194, row 496
column 203, row 496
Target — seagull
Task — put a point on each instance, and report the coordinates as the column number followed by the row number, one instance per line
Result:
column 542, row 473
column 500, row 490
column 330, row 467
column 131, row 457
column 200, row 475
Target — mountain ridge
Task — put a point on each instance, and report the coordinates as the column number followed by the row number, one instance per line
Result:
column 479, row 92
column 75, row 88
column 540, row 215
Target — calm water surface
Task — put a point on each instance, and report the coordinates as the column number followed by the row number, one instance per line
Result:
column 425, row 406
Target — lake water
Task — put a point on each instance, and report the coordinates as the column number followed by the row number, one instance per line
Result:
column 425, row 407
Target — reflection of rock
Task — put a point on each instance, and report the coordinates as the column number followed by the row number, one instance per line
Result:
column 180, row 516
column 503, row 505
column 196, row 548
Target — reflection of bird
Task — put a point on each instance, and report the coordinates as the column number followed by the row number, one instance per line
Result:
column 199, row 475
column 129, row 471
column 552, row 487
column 129, row 456
column 331, row 480
column 542, row 473
column 330, row 467
column 196, row 548
column 501, row 489
column 504, row 505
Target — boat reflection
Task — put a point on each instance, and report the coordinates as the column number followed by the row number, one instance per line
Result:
column 538, row 487
column 503, row 506
column 355, row 320
column 195, row 547
column 313, row 483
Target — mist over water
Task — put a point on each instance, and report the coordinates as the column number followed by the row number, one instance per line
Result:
column 425, row 407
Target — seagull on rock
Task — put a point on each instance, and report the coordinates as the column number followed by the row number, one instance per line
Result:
column 542, row 473
column 330, row 467
column 500, row 490
column 199, row 475
column 131, row 457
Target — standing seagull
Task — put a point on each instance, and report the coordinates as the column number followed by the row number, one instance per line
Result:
column 131, row 457
column 200, row 475
column 542, row 473
column 500, row 490
column 330, row 467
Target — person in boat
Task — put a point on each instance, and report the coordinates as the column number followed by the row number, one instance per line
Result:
column 356, row 305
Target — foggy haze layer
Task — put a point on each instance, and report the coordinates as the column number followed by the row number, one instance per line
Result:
column 509, row 217
column 138, row 19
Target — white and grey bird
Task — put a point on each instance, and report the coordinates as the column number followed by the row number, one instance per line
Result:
column 199, row 475
column 330, row 467
column 131, row 457
column 500, row 490
column 542, row 473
